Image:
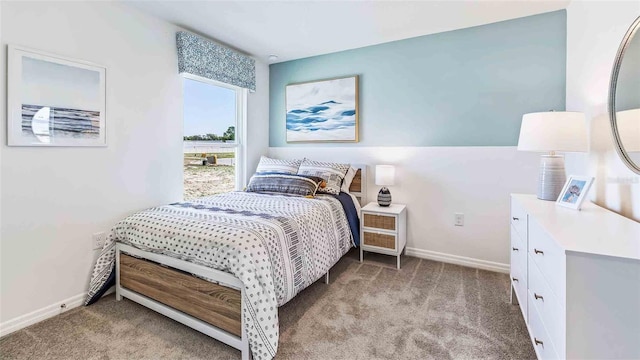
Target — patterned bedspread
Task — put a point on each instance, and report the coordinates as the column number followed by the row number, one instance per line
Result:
column 277, row 245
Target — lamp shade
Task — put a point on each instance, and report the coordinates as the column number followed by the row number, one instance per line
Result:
column 629, row 129
column 385, row 175
column 553, row 131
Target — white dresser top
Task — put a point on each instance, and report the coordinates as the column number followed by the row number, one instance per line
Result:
column 593, row 230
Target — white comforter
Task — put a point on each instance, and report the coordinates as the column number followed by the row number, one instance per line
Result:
column 276, row 245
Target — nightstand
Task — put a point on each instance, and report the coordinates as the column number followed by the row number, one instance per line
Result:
column 383, row 229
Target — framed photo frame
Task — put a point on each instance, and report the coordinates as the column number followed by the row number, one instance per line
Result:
column 54, row 101
column 323, row 110
column 574, row 191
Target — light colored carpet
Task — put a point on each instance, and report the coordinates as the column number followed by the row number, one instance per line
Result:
column 426, row 310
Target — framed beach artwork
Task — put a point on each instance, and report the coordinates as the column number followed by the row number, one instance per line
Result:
column 574, row 191
column 323, row 111
column 54, row 101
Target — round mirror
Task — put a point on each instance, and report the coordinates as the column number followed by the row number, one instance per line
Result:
column 624, row 98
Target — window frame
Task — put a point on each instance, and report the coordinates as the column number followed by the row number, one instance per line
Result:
column 240, row 143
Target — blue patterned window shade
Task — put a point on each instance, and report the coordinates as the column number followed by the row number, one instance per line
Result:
column 203, row 57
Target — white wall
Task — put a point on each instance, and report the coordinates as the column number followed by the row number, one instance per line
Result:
column 53, row 199
column 435, row 183
column 258, row 120
column 594, row 32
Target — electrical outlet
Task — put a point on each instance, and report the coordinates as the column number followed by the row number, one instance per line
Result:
column 459, row 219
column 99, row 239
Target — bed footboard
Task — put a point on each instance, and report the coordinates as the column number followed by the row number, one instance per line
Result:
column 167, row 286
column 209, row 302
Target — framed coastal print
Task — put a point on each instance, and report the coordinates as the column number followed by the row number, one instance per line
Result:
column 574, row 191
column 323, row 111
column 54, row 101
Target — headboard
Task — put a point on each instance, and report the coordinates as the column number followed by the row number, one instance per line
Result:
column 359, row 184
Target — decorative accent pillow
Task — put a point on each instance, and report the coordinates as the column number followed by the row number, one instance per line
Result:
column 284, row 184
column 333, row 173
column 269, row 166
column 348, row 179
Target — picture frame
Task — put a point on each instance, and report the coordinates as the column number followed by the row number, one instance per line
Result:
column 574, row 191
column 323, row 110
column 54, row 100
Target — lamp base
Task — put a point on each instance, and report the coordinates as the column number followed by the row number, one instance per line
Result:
column 551, row 178
column 384, row 197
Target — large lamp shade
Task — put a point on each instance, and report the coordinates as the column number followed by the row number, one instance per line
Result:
column 562, row 131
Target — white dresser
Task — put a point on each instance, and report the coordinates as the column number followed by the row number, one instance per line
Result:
column 576, row 276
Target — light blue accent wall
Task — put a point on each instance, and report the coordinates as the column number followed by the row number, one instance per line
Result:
column 468, row 87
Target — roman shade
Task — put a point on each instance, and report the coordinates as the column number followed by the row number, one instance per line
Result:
column 203, row 57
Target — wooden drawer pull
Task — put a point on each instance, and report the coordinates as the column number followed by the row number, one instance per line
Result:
column 538, row 297
column 515, row 279
column 514, row 249
column 538, row 251
column 515, row 218
column 538, row 342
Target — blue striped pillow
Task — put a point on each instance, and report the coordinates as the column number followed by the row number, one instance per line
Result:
column 268, row 165
column 284, row 184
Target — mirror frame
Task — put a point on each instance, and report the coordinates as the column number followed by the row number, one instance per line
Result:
column 624, row 156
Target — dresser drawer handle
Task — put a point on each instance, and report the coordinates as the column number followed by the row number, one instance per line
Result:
column 538, row 342
column 538, row 251
column 514, row 249
column 515, row 279
column 515, row 218
column 538, row 297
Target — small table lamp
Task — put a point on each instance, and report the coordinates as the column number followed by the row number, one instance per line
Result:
column 385, row 175
column 550, row 132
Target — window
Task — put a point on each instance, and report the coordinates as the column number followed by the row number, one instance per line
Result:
column 213, row 137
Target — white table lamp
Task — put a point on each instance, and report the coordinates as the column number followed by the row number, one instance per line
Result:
column 385, row 176
column 550, row 132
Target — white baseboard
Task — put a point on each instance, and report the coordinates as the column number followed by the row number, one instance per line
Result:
column 46, row 312
column 458, row 260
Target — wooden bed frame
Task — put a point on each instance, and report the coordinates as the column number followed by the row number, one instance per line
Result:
column 167, row 285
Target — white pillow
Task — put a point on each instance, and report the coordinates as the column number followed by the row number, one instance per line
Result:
column 268, row 165
column 348, row 179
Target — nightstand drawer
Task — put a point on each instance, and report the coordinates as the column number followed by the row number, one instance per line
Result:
column 378, row 239
column 380, row 222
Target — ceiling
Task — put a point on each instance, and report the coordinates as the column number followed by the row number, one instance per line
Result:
column 298, row 29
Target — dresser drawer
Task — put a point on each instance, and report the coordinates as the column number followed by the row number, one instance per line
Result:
column 383, row 222
column 549, row 309
column 539, row 336
column 380, row 240
column 519, row 218
column 518, row 250
column 549, row 258
column 519, row 281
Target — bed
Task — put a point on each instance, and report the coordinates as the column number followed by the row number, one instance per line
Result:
column 223, row 265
